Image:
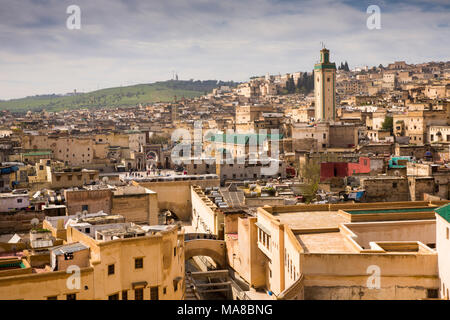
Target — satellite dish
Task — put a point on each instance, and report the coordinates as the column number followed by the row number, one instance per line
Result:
column 34, row 222
column 85, row 212
column 105, row 179
column 78, row 215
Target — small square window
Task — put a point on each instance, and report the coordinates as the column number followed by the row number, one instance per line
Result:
column 139, row 294
column 138, row 263
column 114, row 297
column 52, row 298
column 154, row 294
column 71, row 296
column 111, row 269
column 432, row 293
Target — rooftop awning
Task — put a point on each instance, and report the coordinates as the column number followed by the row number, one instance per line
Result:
column 140, row 284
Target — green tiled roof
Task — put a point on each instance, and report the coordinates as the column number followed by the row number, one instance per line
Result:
column 40, row 153
column 444, row 212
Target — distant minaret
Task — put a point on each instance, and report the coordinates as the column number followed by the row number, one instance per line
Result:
column 325, row 87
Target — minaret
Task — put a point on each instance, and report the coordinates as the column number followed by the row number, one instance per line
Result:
column 325, row 88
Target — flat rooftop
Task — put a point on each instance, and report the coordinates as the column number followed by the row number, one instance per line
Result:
column 329, row 242
column 311, row 219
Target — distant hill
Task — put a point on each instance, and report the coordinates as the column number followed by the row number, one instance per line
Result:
column 163, row 91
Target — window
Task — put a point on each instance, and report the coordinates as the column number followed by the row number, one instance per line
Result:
column 71, row 296
column 87, row 230
column 19, row 200
column 68, row 256
column 394, row 185
column 138, row 263
column 110, row 269
column 85, row 207
column 165, row 290
column 114, row 297
column 154, row 294
column 432, row 293
column 52, row 298
column 175, row 251
column 124, row 295
column 139, row 294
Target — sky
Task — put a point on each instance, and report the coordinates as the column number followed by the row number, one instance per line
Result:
column 142, row 41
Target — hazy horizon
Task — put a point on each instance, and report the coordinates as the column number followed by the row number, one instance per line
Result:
column 123, row 43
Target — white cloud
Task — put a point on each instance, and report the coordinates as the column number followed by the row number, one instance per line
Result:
column 125, row 42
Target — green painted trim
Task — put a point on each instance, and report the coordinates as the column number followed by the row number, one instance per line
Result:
column 320, row 66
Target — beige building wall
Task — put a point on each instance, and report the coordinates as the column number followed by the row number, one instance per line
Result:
column 163, row 269
column 176, row 195
column 242, row 251
column 138, row 208
column 409, row 269
column 443, row 249
column 206, row 216
column 95, row 200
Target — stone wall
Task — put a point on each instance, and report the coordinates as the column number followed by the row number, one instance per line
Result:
column 18, row 222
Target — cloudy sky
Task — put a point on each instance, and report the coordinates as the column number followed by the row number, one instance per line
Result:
column 124, row 42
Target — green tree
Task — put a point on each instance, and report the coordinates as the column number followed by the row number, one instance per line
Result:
column 290, row 85
column 310, row 174
column 346, row 68
column 388, row 124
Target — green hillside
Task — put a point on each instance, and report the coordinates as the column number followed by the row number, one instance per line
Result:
column 115, row 97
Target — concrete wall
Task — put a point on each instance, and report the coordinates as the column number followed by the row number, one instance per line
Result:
column 415, row 230
column 343, row 136
column 13, row 202
column 18, row 222
column 176, row 195
column 386, row 189
column 138, row 208
column 443, row 248
column 24, row 287
column 345, row 276
column 242, row 251
column 96, row 200
column 206, row 217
